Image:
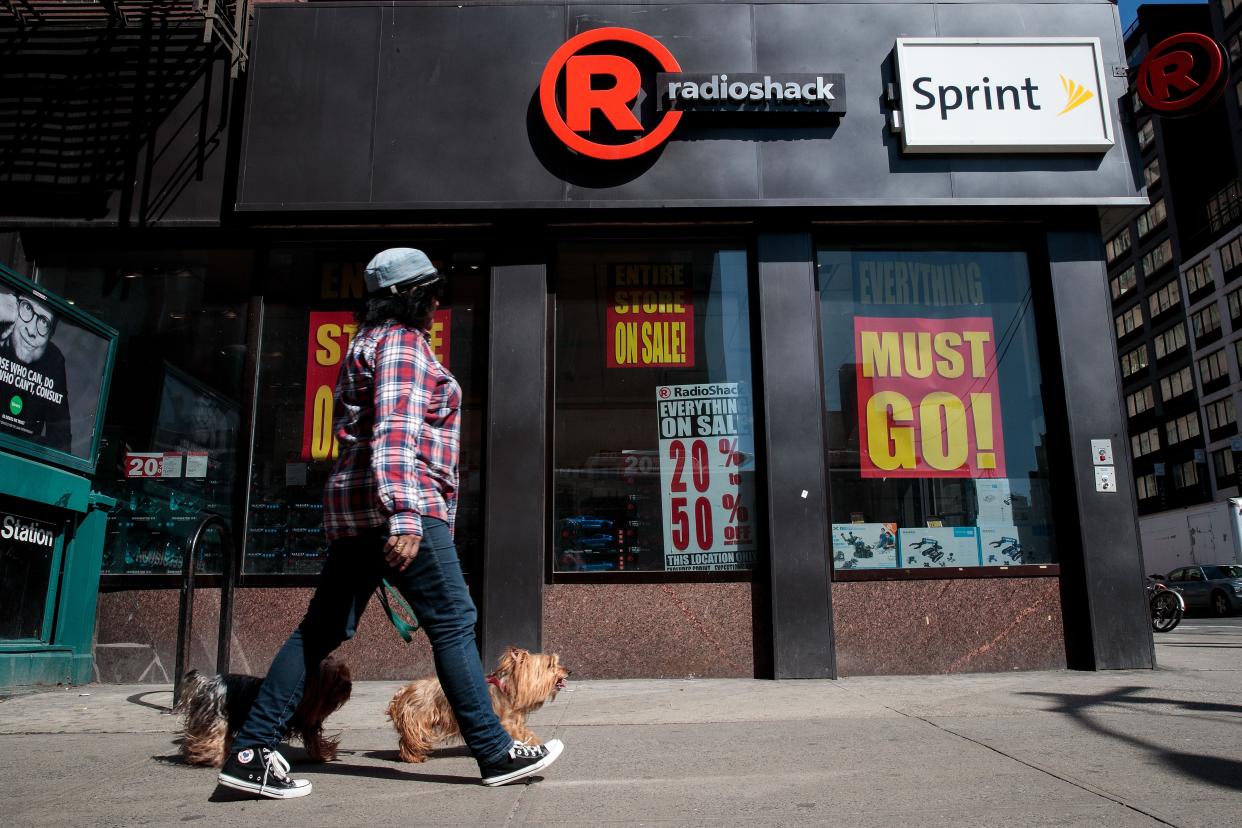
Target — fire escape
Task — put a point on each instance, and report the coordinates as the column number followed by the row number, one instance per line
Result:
column 226, row 21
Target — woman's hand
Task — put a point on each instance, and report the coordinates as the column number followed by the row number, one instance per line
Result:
column 401, row 550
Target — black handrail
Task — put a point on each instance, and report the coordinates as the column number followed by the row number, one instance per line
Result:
column 185, row 614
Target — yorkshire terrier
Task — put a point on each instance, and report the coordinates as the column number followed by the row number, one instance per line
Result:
column 522, row 684
column 215, row 708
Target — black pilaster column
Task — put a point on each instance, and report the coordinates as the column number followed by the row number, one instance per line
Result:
column 516, row 460
column 1106, row 612
column 798, row 525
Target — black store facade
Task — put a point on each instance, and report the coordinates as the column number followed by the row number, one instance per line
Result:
column 783, row 330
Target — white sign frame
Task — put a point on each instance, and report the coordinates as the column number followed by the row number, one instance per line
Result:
column 1024, row 140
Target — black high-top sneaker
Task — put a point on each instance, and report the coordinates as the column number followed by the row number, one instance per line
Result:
column 521, row 761
column 262, row 772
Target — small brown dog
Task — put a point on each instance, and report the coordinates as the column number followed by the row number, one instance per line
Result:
column 215, row 708
column 522, row 684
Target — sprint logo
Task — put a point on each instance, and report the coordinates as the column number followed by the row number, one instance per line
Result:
column 1075, row 94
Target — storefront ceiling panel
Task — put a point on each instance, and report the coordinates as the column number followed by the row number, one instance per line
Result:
column 368, row 107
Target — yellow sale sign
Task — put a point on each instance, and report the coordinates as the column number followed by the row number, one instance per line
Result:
column 928, row 400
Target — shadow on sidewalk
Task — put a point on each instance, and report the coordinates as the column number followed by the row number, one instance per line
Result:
column 1214, row 770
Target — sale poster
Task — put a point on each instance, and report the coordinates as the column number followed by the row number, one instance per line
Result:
column 943, row 546
column 706, row 477
column 928, row 399
column 650, row 319
column 330, row 335
column 864, row 545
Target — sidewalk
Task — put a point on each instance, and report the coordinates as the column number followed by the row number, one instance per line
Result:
column 1056, row 748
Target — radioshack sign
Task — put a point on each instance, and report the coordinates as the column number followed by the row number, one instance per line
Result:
column 1014, row 95
column 593, row 86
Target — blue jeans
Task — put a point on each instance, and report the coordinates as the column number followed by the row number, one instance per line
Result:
column 435, row 588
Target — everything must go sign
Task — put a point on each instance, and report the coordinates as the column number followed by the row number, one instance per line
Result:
column 1022, row 95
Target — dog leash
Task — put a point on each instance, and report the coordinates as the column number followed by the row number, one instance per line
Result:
column 404, row 628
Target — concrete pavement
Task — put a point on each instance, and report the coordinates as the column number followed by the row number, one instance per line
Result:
column 1125, row 748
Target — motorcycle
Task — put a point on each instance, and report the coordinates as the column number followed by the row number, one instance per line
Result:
column 1167, row 606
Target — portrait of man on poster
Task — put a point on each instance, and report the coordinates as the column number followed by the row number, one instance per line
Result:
column 34, row 394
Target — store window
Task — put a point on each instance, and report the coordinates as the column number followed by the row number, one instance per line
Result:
column 937, row 450
column 169, row 448
column 310, row 297
column 654, row 438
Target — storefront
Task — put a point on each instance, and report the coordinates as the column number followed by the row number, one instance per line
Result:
column 783, row 330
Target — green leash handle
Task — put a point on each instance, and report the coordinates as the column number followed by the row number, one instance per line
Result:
column 404, row 628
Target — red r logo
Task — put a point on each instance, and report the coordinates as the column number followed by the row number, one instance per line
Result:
column 613, row 98
column 1165, row 81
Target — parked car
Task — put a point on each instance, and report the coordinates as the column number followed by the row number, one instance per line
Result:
column 1218, row 588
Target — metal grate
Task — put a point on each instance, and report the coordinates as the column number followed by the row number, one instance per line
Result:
column 226, row 20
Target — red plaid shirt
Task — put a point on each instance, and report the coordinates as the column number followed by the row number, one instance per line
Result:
column 397, row 417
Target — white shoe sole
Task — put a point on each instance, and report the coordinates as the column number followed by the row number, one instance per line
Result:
column 260, row 790
column 554, row 751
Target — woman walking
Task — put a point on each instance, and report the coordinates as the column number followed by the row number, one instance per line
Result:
column 389, row 507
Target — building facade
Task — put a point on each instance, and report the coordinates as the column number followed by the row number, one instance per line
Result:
column 782, row 329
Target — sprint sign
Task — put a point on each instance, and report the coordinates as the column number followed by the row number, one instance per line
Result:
column 928, row 404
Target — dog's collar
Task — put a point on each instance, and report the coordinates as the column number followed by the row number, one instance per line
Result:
column 495, row 682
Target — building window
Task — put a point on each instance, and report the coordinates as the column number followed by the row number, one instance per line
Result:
column 1118, row 244
column 1206, row 321
column 1171, row 340
column 1146, row 134
column 1129, row 321
column 1220, row 413
column 1224, row 208
column 1151, row 173
column 1134, row 361
column 1234, row 301
column 1199, row 276
column 1222, row 463
column 1231, row 255
column 1237, row 350
column 1213, row 367
column 1145, row 443
column 654, row 458
column 1183, row 428
column 1140, row 401
column 1185, row 474
column 1166, row 297
column 1145, row 486
column 1157, row 257
column 1122, row 283
column 1151, row 218
column 1235, row 47
column 898, row 498
column 1176, row 384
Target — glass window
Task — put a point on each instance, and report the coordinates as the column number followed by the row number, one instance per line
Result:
column 1171, row 340
column 1151, row 173
column 1123, row 282
column 1176, row 384
column 1157, row 257
column 1222, row 463
column 1146, row 486
column 1140, row 401
column 1134, row 361
column 654, row 442
column 1221, row 413
column 1185, row 474
column 1199, row 276
column 1237, row 350
column 1145, row 442
column 1235, row 45
column 936, row 429
column 1146, row 134
column 1151, row 218
column 1206, row 321
column 1234, row 299
column 1213, row 366
column 311, row 295
column 169, row 448
column 1183, row 428
column 1231, row 254
column 1118, row 244
column 1225, row 207
column 1129, row 320
column 1166, row 297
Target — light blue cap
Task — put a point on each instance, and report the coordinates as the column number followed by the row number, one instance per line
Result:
column 399, row 267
